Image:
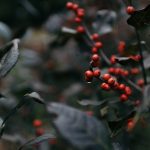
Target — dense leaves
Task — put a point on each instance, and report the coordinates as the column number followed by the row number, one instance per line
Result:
column 82, row 131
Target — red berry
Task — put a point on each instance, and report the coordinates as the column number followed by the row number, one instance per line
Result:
column 75, row 7
column 140, row 82
column 121, row 47
column 130, row 124
column 94, row 50
column 118, row 71
column 115, row 86
column 89, row 113
column 135, row 71
column 121, row 87
column 37, row 123
column 89, row 74
column 80, row 13
column 113, row 59
column 89, row 80
column 95, row 63
column 105, row 86
column 125, row 73
column 111, row 81
column 69, row 5
column 106, row 77
column 130, row 10
column 95, row 57
column 128, row 90
column 111, row 70
column 123, row 97
column 98, row 45
column 137, row 57
column 78, row 20
column 39, row 131
column 80, row 29
column 96, row 73
column 95, row 37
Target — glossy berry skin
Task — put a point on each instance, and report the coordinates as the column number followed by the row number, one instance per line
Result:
column 37, row 123
column 113, row 59
column 89, row 80
column 111, row 81
column 140, row 82
column 75, row 7
column 80, row 29
column 95, row 57
column 80, row 14
column 98, row 45
column 78, row 20
column 135, row 71
column 121, row 87
column 94, row 50
column 105, row 86
column 96, row 73
column 111, row 70
column 89, row 74
column 106, row 77
column 128, row 90
column 123, row 97
column 130, row 124
column 95, row 37
column 69, row 5
column 130, row 10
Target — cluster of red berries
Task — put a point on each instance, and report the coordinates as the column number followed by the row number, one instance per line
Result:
column 118, row 71
column 80, row 13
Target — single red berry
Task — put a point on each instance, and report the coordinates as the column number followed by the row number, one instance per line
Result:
column 128, row 90
column 125, row 73
column 123, row 97
column 118, row 71
column 95, row 37
column 130, row 125
column 78, row 20
column 98, row 45
column 121, row 87
column 121, row 47
column 115, row 85
column 69, row 5
column 113, row 59
column 89, row 80
column 94, row 50
column 89, row 74
column 137, row 57
column 75, row 7
column 106, row 76
column 80, row 29
column 140, row 82
column 96, row 73
column 39, row 131
column 111, row 81
column 111, row 70
column 95, row 57
column 105, row 86
column 135, row 71
column 37, row 123
column 130, row 10
column 80, row 13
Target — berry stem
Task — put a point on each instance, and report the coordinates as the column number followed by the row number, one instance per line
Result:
column 141, row 54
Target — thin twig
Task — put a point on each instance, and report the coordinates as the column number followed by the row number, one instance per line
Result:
column 141, row 54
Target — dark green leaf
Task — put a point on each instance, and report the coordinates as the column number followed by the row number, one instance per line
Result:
column 140, row 18
column 80, row 130
column 9, row 56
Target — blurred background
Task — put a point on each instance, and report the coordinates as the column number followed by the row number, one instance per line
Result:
column 52, row 61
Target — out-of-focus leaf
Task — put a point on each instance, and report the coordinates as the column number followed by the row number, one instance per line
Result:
column 37, row 140
column 105, row 21
column 82, row 131
column 133, row 48
column 140, row 18
column 68, row 30
column 146, row 98
column 9, row 55
column 147, row 62
column 91, row 102
column 126, row 61
column 36, row 97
